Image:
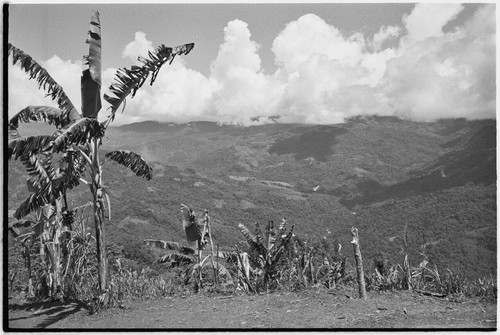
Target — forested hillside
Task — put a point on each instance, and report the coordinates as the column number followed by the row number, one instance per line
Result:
column 376, row 173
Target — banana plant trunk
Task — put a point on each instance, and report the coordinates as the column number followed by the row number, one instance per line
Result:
column 27, row 249
column 359, row 263
column 102, row 264
column 97, row 192
column 407, row 270
column 52, row 249
column 267, row 270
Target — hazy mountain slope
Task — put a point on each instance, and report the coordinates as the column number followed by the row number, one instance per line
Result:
column 387, row 171
column 471, row 159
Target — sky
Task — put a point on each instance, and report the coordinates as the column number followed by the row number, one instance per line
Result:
column 303, row 63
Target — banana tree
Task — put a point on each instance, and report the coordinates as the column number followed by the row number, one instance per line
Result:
column 197, row 238
column 181, row 255
column 46, row 228
column 269, row 247
column 81, row 133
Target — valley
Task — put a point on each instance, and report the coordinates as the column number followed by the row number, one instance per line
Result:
column 379, row 174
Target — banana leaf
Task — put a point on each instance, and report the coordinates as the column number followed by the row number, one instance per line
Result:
column 269, row 235
column 48, row 191
column 259, row 238
column 79, row 132
column 132, row 160
column 228, row 256
column 40, row 171
column 190, row 225
column 94, row 41
column 29, row 145
column 128, row 81
column 253, row 241
column 283, row 242
column 91, row 77
column 51, row 115
column 221, row 270
column 45, row 81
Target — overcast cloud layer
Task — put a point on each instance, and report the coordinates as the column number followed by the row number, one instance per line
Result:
column 413, row 70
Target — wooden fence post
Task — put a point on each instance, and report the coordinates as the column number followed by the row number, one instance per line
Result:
column 359, row 263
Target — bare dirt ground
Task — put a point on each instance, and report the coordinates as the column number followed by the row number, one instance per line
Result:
column 309, row 309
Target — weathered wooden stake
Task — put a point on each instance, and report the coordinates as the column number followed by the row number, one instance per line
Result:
column 359, row 263
column 216, row 270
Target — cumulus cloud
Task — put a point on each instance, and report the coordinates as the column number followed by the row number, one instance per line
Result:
column 179, row 94
column 323, row 75
column 428, row 19
column 310, row 35
column 446, row 75
column 240, row 89
column 138, row 47
column 385, row 33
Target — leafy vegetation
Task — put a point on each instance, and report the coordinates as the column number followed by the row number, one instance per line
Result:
column 267, row 249
column 78, row 137
column 274, row 259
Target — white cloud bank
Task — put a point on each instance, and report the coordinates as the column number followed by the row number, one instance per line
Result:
column 323, row 76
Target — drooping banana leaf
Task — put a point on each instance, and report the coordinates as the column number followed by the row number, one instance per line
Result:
column 281, row 245
column 128, row 81
column 49, row 183
column 252, row 241
column 91, row 77
column 190, row 225
column 221, row 269
column 64, row 181
column 175, row 260
column 40, row 171
column 72, row 165
column 244, row 271
column 29, row 145
column 45, row 179
column 33, row 202
column 224, row 272
column 45, row 81
column 269, row 235
column 169, row 246
column 132, row 160
column 51, row 115
column 228, row 256
column 259, row 237
column 79, row 132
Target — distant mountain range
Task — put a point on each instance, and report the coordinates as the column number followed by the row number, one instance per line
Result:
column 375, row 173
